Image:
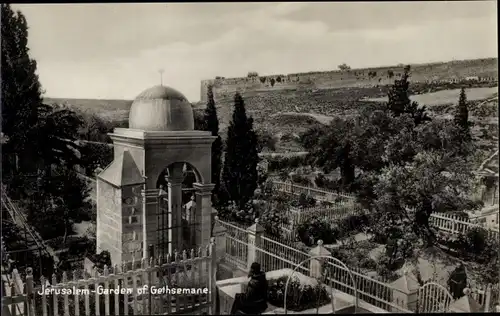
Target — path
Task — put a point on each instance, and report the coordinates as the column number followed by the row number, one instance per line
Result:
column 18, row 218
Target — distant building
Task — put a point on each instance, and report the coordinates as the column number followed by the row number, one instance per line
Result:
column 472, row 78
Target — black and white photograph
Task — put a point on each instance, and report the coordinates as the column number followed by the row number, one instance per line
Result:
column 234, row 158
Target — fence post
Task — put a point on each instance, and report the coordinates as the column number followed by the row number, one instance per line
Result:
column 405, row 293
column 255, row 233
column 465, row 304
column 219, row 233
column 30, row 295
column 212, row 277
column 316, row 265
column 487, row 299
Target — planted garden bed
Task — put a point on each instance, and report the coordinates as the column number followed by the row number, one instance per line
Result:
column 300, row 297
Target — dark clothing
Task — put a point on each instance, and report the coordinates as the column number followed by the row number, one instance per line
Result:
column 254, row 300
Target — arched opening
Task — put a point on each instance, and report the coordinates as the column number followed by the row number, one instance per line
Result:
column 177, row 216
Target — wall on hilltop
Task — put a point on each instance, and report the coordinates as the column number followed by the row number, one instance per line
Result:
column 358, row 78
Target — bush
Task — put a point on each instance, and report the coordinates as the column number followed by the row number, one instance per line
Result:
column 353, row 223
column 279, row 162
column 301, row 180
column 304, row 201
column 299, row 297
column 244, row 216
column 311, row 231
column 273, row 217
column 324, row 182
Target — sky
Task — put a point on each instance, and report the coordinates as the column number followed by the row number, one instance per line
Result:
column 115, row 51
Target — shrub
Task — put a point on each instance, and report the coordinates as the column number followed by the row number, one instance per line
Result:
column 299, row 297
column 273, row 217
column 315, row 229
column 324, row 182
column 368, row 263
column 279, row 163
column 353, row 223
column 304, row 201
column 301, row 180
column 263, row 79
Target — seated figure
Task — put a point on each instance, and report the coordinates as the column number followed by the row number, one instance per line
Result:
column 254, row 300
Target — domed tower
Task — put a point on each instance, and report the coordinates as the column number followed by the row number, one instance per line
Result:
column 133, row 215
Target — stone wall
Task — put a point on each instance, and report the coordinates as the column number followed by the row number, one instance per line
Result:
column 109, row 220
column 368, row 77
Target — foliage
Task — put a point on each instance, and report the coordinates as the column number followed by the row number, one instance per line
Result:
column 232, row 212
column 21, row 94
column 303, row 201
column 300, row 297
column 400, row 103
column 386, row 268
column 252, row 74
column 409, row 167
column 461, row 117
column 285, row 163
column 95, row 156
column 390, row 73
column 240, row 174
column 325, row 183
column 273, row 217
column 351, row 224
column 265, row 140
column 101, row 259
column 315, row 229
column 211, row 124
column 62, row 201
column 344, row 67
column 56, row 136
column 457, row 282
column 299, row 179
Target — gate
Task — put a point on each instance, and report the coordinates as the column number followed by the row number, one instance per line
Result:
column 325, row 276
column 433, row 298
column 184, row 226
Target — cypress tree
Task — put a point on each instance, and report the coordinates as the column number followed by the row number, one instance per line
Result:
column 461, row 118
column 211, row 124
column 400, row 103
column 240, row 176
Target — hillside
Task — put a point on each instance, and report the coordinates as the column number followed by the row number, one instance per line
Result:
column 113, row 110
column 452, row 71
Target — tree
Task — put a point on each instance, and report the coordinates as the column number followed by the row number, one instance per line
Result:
column 211, row 124
column 344, row 67
column 38, row 135
column 400, row 103
column 21, row 94
column 240, row 174
column 406, row 196
column 21, row 90
column 265, row 140
column 54, row 209
column 461, row 118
